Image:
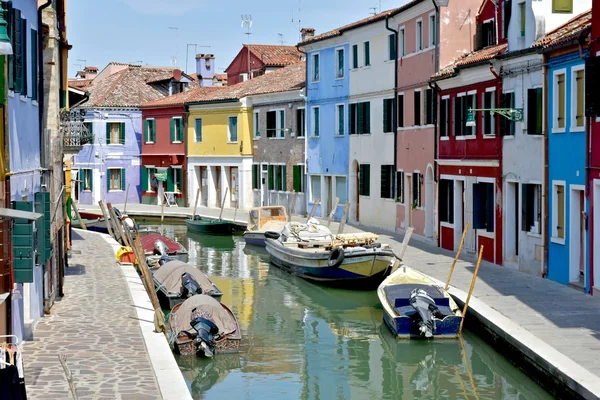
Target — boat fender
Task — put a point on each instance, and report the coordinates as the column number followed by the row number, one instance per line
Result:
column 272, row 235
column 336, row 257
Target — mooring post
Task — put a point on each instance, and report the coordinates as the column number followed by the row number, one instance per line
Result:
column 464, row 313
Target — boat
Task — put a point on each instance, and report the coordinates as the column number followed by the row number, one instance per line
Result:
column 156, row 245
column 176, row 281
column 204, row 327
column 209, row 225
column 96, row 225
column 312, row 252
column 264, row 219
column 415, row 306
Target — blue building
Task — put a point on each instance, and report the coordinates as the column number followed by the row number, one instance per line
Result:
column 328, row 89
column 567, row 228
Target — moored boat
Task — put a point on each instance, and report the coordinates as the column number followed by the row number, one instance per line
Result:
column 311, row 252
column 156, row 245
column 209, row 225
column 176, row 281
column 264, row 219
column 415, row 306
column 204, row 327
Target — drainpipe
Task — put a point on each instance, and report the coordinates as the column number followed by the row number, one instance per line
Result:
column 395, row 108
column 40, row 88
column 546, row 200
column 306, row 111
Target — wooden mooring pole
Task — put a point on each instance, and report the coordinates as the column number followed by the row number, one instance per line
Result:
column 462, row 241
column 196, row 203
column 464, row 313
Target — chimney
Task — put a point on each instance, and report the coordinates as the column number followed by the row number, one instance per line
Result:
column 307, row 33
column 205, row 69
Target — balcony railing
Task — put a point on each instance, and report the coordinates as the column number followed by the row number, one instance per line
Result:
column 73, row 131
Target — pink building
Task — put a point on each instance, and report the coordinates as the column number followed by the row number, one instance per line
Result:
column 427, row 39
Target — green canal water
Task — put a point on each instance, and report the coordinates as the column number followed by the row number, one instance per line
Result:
column 304, row 341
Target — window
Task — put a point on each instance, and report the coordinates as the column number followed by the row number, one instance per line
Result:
column 402, row 43
column 483, row 206
column 459, row 115
column 432, row 30
column 578, row 112
column 115, row 133
column 364, row 180
column 355, row 56
column 278, row 178
column 85, row 180
column 367, row 53
column 276, row 124
column 419, row 35
column 115, row 179
column 339, row 69
column 256, row 173
column 315, row 67
column 315, row 122
column 488, row 34
column 387, row 182
column 523, row 16
column 531, row 207
column 298, row 171
column 444, row 117
column 339, row 117
column 446, row 200
column 360, row 118
column 507, row 127
column 534, row 111
column 232, row 128
column 558, row 210
column 392, row 47
column 89, row 131
column 256, row 126
column 562, row 6
column 147, row 182
column 198, row 130
column 417, row 107
column 470, row 102
column 243, row 77
column 429, row 106
column 489, row 119
column 400, row 111
column 400, row 186
column 34, row 65
column 301, row 122
column 176, row 130
column 506, row 14
column 417, row 182
column 176, row 179
column 388, row 114
column 315, row 187
column 340, row 189
column 150, row 131
column 559, row 101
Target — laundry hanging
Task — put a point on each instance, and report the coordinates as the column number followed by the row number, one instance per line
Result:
column 12, row 377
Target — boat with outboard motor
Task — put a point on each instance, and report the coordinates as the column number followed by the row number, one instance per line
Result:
column 264, row 219
column 176, row 281
column 156, row 245
column 312, row 252
column 415, row 306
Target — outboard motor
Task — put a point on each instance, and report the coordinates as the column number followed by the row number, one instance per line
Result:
column 160, row 248
column 189, row 286
column 425, row 306
column 163, row 260
column 206, row 335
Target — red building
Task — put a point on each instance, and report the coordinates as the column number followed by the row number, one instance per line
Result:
column 264, row 58
column 469, row 158
column 163, row 177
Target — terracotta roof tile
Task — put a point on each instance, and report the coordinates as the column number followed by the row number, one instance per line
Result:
column 275, row 55
column 474, row 57
column 180, row 99
column 579, row 25
column 221, row 77
column 80, row 83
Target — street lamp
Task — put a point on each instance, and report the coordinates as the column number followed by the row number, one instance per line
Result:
column 5, row 46
column 513, row 114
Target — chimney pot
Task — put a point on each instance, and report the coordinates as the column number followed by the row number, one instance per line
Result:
column 307, row 33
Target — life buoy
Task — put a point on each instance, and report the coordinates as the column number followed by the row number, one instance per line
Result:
column 272, row 235
column 336, row 257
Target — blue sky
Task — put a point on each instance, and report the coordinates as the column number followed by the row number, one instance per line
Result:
column 138, row 30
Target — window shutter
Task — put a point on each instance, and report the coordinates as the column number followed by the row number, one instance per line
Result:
column 360, row 118
column 367, row 53
column 284, row 178
column 355, row 56
column 417, row 108
column 91, row 132
column 317, row 122
column 144, row 179
column 281, row 123
column 181, row 130
column 81, row 177
column 172, row 130
column 91, row 176
column 353, row 119
column 479, row 37
column 22, row 244
column 490, row 209
column 401, row 111
column 478, row 207
column 367, row 180
column 147, row 131
column 271, row 178
column 122, row 133
column 170, row 183
column 10, row 28
column 524, row 207
column 18, row 52
column 153, row 130
column 179, row 172
column 367, row 117
column 296, row 172
column 254, row 176
column 531, row 111
column 34, row 65
column 539, row 116
column 123, row 183
column 108, row 133
column 386, row 123
column 385, row 178
column 108, row 174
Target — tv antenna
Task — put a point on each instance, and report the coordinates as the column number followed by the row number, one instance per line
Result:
column 374, row 12
column 174, row 58
column 281, row 38
column 299, row 23
column 84, row 62
column 247, row 21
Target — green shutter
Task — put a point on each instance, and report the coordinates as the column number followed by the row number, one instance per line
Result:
column 122, row 133
column 108, row 180
column 34, row 66
column 108, row 133
column 386, row 125
column 122, row 178
column 180, row 178
column 297, row 178
column 172, row 130
column 270, row 177
column 316, row 121
column 42, row 206
column 182, row 124
column 254, row 177
column 170, row 183
column 91, row 176
column 367, row 117
column 367, row 53
column 10, row 60
column 24, row 56
column 153, row 130
column 81, row 179
column 355, row 56
column 144, row 179
column 147, row 131
column 360, row 118
column 284, row 178
column 18, row 52
column 22, row 244
column 91, row 132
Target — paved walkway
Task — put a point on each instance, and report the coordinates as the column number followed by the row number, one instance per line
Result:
column 564, row 318
column 96, row 328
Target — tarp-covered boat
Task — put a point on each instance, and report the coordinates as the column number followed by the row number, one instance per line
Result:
column 414, row 306
column 176, row 281
column 202, row 326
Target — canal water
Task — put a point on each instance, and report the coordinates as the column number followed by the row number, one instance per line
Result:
column 304, row 341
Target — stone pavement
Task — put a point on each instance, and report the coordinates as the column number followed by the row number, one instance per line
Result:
column 96, row 328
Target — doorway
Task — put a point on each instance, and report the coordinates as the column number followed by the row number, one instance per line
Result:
column 512, row 221
column 429, row 199
column 233, row 179
column 203, row 174
column 596, row 259
column 217, row 181
column 409, row 200
column 576, row 235
column 327, row 196
column 75, row 184
column 354, row 191
column 265, row 186
column 459, row 214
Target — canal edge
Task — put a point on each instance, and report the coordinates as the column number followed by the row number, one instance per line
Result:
column 171, row 384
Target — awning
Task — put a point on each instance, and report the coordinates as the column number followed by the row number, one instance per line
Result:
column 17, row 214
column 161, row 176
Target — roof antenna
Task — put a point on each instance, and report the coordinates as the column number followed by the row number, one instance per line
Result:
column 299, row 23
column 247, row 20
column 374, row 12
column 281, row 38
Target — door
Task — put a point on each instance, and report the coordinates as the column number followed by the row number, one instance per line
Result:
column 409, row 200
column 511, row 222
column 217, row 179
column 328, row 193
column 203, row 173
column 576, row 235
column 582, row 221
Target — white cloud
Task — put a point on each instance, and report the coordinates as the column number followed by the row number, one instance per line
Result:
column 162, row 7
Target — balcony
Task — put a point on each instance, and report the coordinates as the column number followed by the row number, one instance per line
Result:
column 73, row 131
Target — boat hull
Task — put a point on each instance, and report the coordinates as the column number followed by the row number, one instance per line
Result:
column 359, row 270
column 254, row 238
column 403, row 327
column 214, row 227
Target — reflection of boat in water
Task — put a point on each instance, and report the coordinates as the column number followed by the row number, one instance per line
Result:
column 202, row 374
column 217, row 242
